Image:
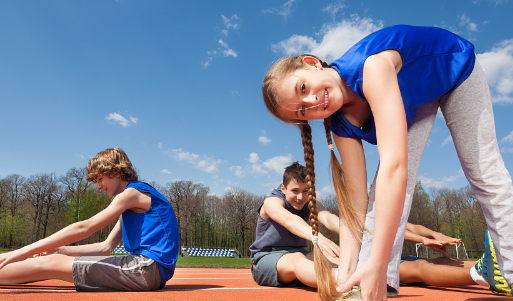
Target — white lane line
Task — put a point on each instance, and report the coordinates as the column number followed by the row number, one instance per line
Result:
column 219, row 288
column 35, row 290
column 205, row 278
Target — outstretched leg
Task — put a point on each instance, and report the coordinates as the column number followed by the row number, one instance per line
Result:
column 442, row 271
column 298, row 266
column 54, row 266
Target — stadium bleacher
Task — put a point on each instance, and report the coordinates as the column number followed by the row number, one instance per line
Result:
column 209, row 252
column 120, row 250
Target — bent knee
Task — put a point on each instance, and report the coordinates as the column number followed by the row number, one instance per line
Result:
column 54, row 263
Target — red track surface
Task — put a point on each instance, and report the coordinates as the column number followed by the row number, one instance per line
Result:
column 222, row 284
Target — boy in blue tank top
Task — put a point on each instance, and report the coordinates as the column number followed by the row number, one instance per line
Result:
column 146, row 224
column 278, row 255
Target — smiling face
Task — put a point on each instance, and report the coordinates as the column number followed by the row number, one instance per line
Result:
column 309, row 93
column 296, row 194
column 110, row 184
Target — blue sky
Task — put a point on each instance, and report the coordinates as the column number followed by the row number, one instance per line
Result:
column 176, row 84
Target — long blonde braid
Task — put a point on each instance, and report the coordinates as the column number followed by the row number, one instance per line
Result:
column 345, row 203
column 326, row 286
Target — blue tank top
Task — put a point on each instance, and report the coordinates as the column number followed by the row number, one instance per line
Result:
column 154, row 233
column 435, row 61
column 271, row 236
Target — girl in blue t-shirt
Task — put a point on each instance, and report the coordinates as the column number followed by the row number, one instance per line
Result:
column 386, row 90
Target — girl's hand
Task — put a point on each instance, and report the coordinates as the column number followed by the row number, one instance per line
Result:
column 11, row 257
column 372, row 281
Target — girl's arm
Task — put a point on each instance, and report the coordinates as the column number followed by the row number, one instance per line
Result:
column 381, row 89
column 104, row 248
column 353, row 161
column 130, row 198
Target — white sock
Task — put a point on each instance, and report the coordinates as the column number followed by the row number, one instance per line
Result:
column 478, row 277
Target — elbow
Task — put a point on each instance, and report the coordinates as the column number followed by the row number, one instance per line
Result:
column 83, row 229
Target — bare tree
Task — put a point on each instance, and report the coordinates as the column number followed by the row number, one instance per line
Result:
column 182, row 196
column 241, row 206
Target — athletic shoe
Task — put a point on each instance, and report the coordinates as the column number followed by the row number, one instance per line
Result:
column 488, row 266
column 353, row 295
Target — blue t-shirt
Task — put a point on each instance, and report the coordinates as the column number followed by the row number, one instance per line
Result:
column 435, row 61
column 271, row 236
column 154, row 233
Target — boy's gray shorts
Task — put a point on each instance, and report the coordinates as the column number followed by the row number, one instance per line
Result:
column 116, row 273
column 263, row 268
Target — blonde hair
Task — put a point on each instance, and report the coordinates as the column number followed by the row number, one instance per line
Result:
column 111, row 160
column 284, row 67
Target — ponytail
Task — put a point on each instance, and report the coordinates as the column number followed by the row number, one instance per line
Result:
column 326, row 286
column 345, row 203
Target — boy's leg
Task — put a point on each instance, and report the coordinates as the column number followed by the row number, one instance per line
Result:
column 294, row 266
column 442, row 271
column 468, row 113
column 54, row 266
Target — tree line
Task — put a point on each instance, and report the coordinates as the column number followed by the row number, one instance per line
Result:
column 37, row 206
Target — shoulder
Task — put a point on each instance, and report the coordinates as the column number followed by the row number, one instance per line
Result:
column 134, row 199
column 271, row 204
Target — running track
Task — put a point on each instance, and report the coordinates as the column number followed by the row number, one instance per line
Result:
column 222, row 284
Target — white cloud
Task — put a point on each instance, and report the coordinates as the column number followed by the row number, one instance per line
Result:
column 238, row 171
column 496, row 2
column 508, row 138
column 428, row 182
column 264, row 140
column 215, row 176
column 232, row 22
column 325, row 191
column 498, row 67
column 207, row 62
column 285, row 10
column 253, row 158
column 159, row 145
column 447, row 140
column 204, row 163
column 454, row 178
column 333, row 8
column 116, row 118
column 335, row 39
column 226, row 49
column 507, row 150
column 165, row 171
column 465, row 21
column 278, row 163
column 260, row 168
column 133, row 119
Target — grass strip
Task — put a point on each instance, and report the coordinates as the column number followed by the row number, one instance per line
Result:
column 213, row 262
